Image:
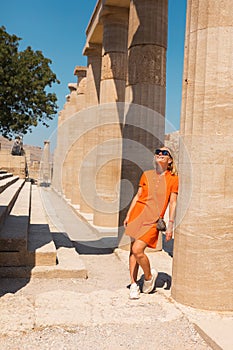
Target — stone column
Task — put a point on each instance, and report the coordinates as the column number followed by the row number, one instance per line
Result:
column 45, row 165
column 112, row 92
column 88, row 171
column 202, row 271
column 69, row 108
column 94, row 59
column 145, row 92
column 75, row 154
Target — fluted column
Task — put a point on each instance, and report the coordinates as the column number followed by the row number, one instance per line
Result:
column 88, row 170
column 112, row 91
column 74, row 154
column 202, row 271
column 62, row 139
column 145, row 92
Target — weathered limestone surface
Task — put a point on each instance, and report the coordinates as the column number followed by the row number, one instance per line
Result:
column 13, row 164
column 126, row 50
column 202, row 274
column 45, row 164
column 94, row 59
column 145, row 91
column 75, row 153
column 112, row 91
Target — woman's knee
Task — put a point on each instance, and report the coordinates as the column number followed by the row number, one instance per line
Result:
column 137, row 251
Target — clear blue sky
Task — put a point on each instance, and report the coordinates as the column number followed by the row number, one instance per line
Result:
column 57, row 28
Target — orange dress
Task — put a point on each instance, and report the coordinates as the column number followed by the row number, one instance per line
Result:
column 152, row 204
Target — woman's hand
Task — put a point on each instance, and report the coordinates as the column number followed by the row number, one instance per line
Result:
column 168, row 236
column 169, row 231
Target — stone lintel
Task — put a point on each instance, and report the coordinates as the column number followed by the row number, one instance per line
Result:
column 92, row 50
column 94, row 31
column 72, row 86
column 119, row 3
column 114, row 14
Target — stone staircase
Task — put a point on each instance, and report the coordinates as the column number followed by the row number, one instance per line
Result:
column 27, row 246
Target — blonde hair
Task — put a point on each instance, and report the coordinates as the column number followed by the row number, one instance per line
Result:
column 171, row 166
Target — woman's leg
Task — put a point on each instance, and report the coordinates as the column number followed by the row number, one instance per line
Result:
column 133, row 266
column 138, row 247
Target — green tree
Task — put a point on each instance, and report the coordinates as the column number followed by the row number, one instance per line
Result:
column 24, row 76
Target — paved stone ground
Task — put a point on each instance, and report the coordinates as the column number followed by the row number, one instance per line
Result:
column 96, row 313
column 91, row 314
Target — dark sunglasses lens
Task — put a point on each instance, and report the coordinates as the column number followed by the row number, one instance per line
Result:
column 163, row 151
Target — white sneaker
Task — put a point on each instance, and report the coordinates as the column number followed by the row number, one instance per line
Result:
column 148, row 286
column 134, row 291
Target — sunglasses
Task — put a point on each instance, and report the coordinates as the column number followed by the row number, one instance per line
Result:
column 163, row 151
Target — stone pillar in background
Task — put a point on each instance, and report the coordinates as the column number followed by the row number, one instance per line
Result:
column 202, row 271
column 112, row 91
column 75, row 153
column 145, row 92
column 45, row 165
column 94, row 59
column 69, row 108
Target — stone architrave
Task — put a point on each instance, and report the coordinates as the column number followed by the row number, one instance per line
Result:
column 145, row 92
column 202, row 271
column 112, row 92
column 94, row 59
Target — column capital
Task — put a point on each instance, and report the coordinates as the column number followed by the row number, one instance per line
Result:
column 80, row 72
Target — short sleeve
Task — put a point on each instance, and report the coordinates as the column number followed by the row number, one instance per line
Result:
column 142, row 181
column 175, row 184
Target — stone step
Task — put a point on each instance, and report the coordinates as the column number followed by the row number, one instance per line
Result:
column 41, row 247
column 7, row 182
column 12, row 258
column 27, row 243
column 43, row 258
column 69, row 265
column 7, row 200
column 13, row 235
column 5, row 175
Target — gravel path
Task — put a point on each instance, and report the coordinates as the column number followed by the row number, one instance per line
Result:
column 91, row 314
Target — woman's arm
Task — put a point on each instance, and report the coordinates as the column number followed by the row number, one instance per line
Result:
column 136, row 197
column 172, row 211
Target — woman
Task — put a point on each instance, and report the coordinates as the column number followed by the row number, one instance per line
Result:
column 157, row 189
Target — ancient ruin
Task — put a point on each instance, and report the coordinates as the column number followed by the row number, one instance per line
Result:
column 124, row 100
column 113, row 119
column 126, row 53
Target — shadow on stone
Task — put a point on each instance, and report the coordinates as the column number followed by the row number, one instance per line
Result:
column 12, row 285
column 105, row 245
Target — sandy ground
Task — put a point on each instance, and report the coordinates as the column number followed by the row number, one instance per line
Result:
column 95, row 313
